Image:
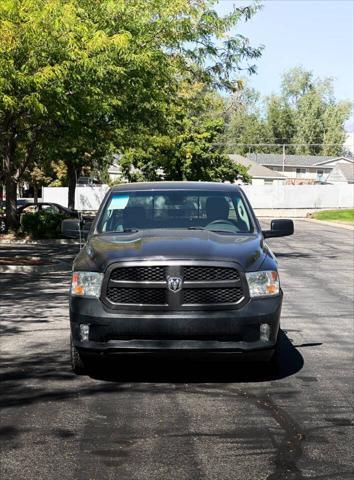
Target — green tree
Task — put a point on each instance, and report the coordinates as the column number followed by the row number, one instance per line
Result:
column 296, row 83
column 245, row 123
column 38, row 178
column 318, row 117
column 334, row 133
column 50, row 54
column 192, row 148
column 305, row 113
column 200, row 157
column 280, row 119
column 247, row 132
column 58, row 174
column 81, row 77
column 309, row 125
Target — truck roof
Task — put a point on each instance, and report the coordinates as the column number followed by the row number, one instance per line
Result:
column 211, row 186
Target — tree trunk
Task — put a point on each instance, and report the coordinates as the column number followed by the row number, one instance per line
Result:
column 11, row 197
column 72, row 174
column 10, row 183
column 35, row 194
column 179, row 173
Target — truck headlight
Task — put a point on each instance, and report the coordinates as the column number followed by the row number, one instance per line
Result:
column 262, row 284
column 86, row 284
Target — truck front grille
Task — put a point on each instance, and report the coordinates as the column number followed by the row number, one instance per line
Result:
column 145, row 287
column 211, row 296
column 147, row 296
column 140, row 274
column 208, row 274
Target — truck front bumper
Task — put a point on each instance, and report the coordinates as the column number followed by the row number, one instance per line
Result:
column 224, row 331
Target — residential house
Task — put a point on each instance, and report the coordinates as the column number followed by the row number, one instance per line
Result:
column 260, row 175
column 301, row 169
column 115, row 172
column 342, row 173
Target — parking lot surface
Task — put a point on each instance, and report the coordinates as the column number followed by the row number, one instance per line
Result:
column 178, row 418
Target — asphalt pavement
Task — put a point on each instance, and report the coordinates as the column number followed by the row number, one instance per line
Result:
column 172, row 418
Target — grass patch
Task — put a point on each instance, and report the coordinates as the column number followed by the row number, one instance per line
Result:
column 346, row 215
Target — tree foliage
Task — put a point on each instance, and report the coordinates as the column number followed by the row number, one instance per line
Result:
column 305, row 113
column 82, row 78
column 245, row 123
column 192, row 148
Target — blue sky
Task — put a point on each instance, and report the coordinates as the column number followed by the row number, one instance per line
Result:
column 317, row 34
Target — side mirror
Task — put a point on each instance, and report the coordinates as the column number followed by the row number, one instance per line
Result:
column 279, row 228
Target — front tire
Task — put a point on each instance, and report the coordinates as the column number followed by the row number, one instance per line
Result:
column 78, row 363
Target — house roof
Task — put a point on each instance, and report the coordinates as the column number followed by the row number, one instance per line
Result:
column 255, row 169
column 114, row 168
column 292, row 160
column 347, row 171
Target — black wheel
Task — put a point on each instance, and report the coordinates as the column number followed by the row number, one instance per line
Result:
column 78, row 363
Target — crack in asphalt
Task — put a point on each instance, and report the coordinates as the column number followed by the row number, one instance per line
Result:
column 289, row 451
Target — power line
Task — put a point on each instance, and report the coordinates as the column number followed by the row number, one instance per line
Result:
column 281, row 144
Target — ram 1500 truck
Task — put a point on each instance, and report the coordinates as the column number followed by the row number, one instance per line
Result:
column 177, row 267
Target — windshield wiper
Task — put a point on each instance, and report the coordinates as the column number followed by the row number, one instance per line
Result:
column 125, row 230
column 212, row 230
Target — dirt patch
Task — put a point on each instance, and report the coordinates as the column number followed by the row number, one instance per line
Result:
column 14, row 237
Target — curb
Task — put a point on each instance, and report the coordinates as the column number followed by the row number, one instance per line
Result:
column 56, row 267
column 332, row 224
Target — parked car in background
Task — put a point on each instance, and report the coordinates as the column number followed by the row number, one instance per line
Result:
column 29, row 207
column 50, row 207
column 24, row 201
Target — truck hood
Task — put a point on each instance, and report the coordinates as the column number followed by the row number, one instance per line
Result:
column 248, row 250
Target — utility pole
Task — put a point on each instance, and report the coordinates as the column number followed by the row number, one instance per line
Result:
column 283, row 157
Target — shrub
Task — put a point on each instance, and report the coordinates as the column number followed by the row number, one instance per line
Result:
column 42, row 224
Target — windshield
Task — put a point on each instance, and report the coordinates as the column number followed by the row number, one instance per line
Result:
column 139, row 210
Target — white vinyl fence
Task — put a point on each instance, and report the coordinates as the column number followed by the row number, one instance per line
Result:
column 262, row 197
column 300, row 196
column 86, row 197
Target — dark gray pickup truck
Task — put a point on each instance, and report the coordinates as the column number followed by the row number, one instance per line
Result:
column 177, row 267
